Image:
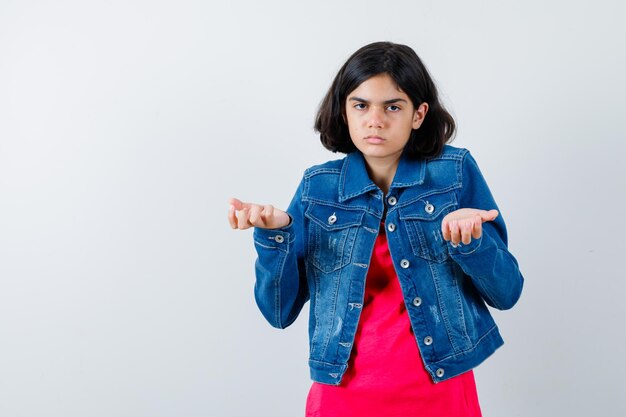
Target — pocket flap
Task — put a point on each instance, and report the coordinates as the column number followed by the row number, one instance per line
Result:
column 333, row 218
column 428, row 208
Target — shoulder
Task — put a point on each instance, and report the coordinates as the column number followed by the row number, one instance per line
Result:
column 461, row 158
column 330, row 167
column 450, row 152
column 452, row 168
column 321, row 181
column 444, row 171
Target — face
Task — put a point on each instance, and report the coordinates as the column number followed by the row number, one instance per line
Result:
column 380, row 118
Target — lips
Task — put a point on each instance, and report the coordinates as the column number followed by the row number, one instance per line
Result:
column 374, row 139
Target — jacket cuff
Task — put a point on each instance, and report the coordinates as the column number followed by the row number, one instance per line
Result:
column 463, row 249
column 274, row 238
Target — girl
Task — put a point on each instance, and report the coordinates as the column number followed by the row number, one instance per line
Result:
column 398, row 246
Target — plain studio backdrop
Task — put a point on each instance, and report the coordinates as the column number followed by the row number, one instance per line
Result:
column 125, row 126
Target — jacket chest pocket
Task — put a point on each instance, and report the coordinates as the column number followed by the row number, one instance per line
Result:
column 422, row 220
column 332, row 232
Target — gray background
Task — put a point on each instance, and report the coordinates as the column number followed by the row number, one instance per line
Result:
column 125, row 126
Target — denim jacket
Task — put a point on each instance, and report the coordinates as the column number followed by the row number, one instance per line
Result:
column 324, row 253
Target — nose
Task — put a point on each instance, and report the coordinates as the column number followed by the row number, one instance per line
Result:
column 376, row 118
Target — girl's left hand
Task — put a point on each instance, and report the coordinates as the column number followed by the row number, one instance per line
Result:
column 464, row 224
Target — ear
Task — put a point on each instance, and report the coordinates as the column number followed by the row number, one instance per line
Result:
column 419, row 114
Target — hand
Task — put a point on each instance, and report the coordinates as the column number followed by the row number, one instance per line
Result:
column 245, row 215
column 464, row 224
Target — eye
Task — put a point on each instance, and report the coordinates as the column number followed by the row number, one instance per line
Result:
column 393, row 108
column 359, row 106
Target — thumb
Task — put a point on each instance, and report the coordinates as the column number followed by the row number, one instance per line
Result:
column 238, row 204
column 490, row 215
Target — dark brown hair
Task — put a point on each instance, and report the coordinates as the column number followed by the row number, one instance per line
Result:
column 409, row 73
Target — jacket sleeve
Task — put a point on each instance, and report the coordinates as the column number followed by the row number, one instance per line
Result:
column 281, row 287
column 487, row 260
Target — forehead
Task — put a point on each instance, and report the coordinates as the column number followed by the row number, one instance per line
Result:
column 379, row 86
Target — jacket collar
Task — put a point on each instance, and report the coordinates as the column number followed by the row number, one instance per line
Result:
column 354, row 179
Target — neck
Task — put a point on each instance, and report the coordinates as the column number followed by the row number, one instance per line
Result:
column 382, row 170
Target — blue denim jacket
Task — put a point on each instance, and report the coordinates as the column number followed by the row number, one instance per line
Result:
column 324, row 253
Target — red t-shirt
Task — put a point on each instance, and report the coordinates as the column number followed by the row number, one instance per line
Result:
column 386, row 375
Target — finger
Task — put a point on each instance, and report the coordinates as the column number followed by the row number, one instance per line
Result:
column 256, row 217
column 235, row 202
column 466, row 231
column 455, row 232
column 478, row 229
column 232, row 218
column 242, row 219
column 239, row 205
column 488, row 216
column 445, row 230
column 268, row 215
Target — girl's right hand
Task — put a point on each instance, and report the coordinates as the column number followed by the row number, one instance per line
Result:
column 245, row 215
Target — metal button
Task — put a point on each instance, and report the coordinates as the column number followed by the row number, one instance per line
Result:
column 332, row 219
column 279, row 239
column 391, row 227
column 404, row 263
column 429, row 208
column 428, row 340
column 439, row 372
column 417, row 301
column 392, row 201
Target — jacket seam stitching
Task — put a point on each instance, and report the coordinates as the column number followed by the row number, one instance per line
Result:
column 278, row 282
column 472, row 348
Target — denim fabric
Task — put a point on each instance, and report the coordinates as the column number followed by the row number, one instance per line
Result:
column 324, row 253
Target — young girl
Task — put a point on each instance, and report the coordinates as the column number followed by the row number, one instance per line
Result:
column 398, row 246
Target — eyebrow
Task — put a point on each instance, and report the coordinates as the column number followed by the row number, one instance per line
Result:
column 362, row 100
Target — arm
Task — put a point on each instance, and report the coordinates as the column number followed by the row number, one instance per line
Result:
column 485, row 258
column 281, row 288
